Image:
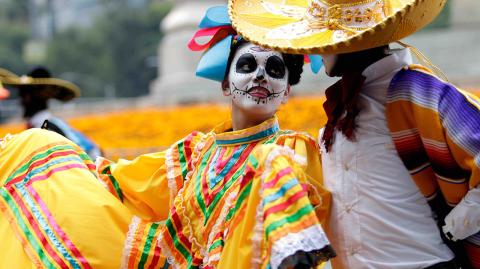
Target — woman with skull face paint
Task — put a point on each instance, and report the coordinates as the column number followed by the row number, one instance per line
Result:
column 258, row 81
column 245, row 195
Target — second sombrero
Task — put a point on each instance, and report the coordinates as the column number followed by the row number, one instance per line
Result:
column 40, row 79
column 330, row 26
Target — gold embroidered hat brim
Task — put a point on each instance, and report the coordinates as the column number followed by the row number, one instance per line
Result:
column 260, row 21
column 52, row 87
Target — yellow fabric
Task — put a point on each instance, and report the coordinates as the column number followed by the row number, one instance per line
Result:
column 305, row 146
column 55, row 212
column 144, row 183
column 147, row 188
column 12, row 256
column 330, row 26
column 93, row 220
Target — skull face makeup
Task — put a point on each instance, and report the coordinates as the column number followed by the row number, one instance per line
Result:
column 258, row 80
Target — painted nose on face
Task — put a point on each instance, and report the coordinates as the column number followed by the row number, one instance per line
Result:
column 260, row 75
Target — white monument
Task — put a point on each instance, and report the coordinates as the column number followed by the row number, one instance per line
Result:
column 176, row 82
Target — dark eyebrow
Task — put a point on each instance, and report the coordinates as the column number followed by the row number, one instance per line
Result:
column 275, row 60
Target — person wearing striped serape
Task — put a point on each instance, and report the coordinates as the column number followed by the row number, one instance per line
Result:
column 401, row 148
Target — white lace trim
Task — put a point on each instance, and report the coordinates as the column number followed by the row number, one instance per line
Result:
column 167, row 252
column 127, row 249
column 258, row 235
column 172, row 183
column 181, row 210
column 98, row 162
column 165, row 249
column 198, row 150
column 312, row 238
column 5, row 140
column 216, row 228
column 187, row 224
column 284, row 151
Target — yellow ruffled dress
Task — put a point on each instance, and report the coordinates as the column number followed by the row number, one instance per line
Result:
column 226, row 199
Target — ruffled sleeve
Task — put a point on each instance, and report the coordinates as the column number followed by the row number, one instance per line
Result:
column 281, row 209
column 148, row 184
column 307, row 148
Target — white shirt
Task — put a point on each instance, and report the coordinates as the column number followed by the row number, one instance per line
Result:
column 379, row 218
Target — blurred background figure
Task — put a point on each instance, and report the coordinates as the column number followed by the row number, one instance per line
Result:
column 35, row 90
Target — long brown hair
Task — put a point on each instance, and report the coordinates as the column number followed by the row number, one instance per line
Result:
column 341, row 104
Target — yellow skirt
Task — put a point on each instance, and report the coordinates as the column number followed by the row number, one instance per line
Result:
column 54, row 212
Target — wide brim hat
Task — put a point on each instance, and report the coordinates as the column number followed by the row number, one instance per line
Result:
column 51, row 87
column 330, row 26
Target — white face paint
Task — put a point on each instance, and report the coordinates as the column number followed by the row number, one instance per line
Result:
column 329, row 61
column 258, row 80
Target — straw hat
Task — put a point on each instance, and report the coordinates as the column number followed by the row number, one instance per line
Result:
column 40, row 79
column 330, row 26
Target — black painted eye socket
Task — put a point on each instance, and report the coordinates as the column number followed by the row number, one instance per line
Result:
column 246, row 64
column 275, row 67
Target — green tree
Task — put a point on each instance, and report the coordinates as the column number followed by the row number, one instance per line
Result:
column 14, row 32
column 113, row 53
column 12, row 37
column 15, row 11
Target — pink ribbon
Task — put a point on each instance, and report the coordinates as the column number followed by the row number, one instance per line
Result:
column 216, row 33
column 306, row 59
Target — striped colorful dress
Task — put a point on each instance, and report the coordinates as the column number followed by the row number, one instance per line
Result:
column 436, row 130
column 226, row 199
column 54, row 212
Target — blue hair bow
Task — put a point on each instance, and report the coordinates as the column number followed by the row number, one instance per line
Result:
column 217, row 26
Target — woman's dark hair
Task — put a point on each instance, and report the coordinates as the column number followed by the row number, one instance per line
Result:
column 293, row 62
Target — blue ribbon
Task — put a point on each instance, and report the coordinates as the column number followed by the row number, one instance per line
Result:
column 316, row 63
column 215, row 16
column 213, row 64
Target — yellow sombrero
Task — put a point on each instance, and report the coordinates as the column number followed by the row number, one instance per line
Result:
column 51, row 87
column 330, row 26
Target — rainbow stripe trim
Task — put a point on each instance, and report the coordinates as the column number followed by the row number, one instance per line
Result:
column 44, row 240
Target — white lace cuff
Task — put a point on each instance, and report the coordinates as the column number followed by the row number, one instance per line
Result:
column 307, row 240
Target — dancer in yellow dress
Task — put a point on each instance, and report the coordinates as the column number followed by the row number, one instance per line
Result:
column 245, row 195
